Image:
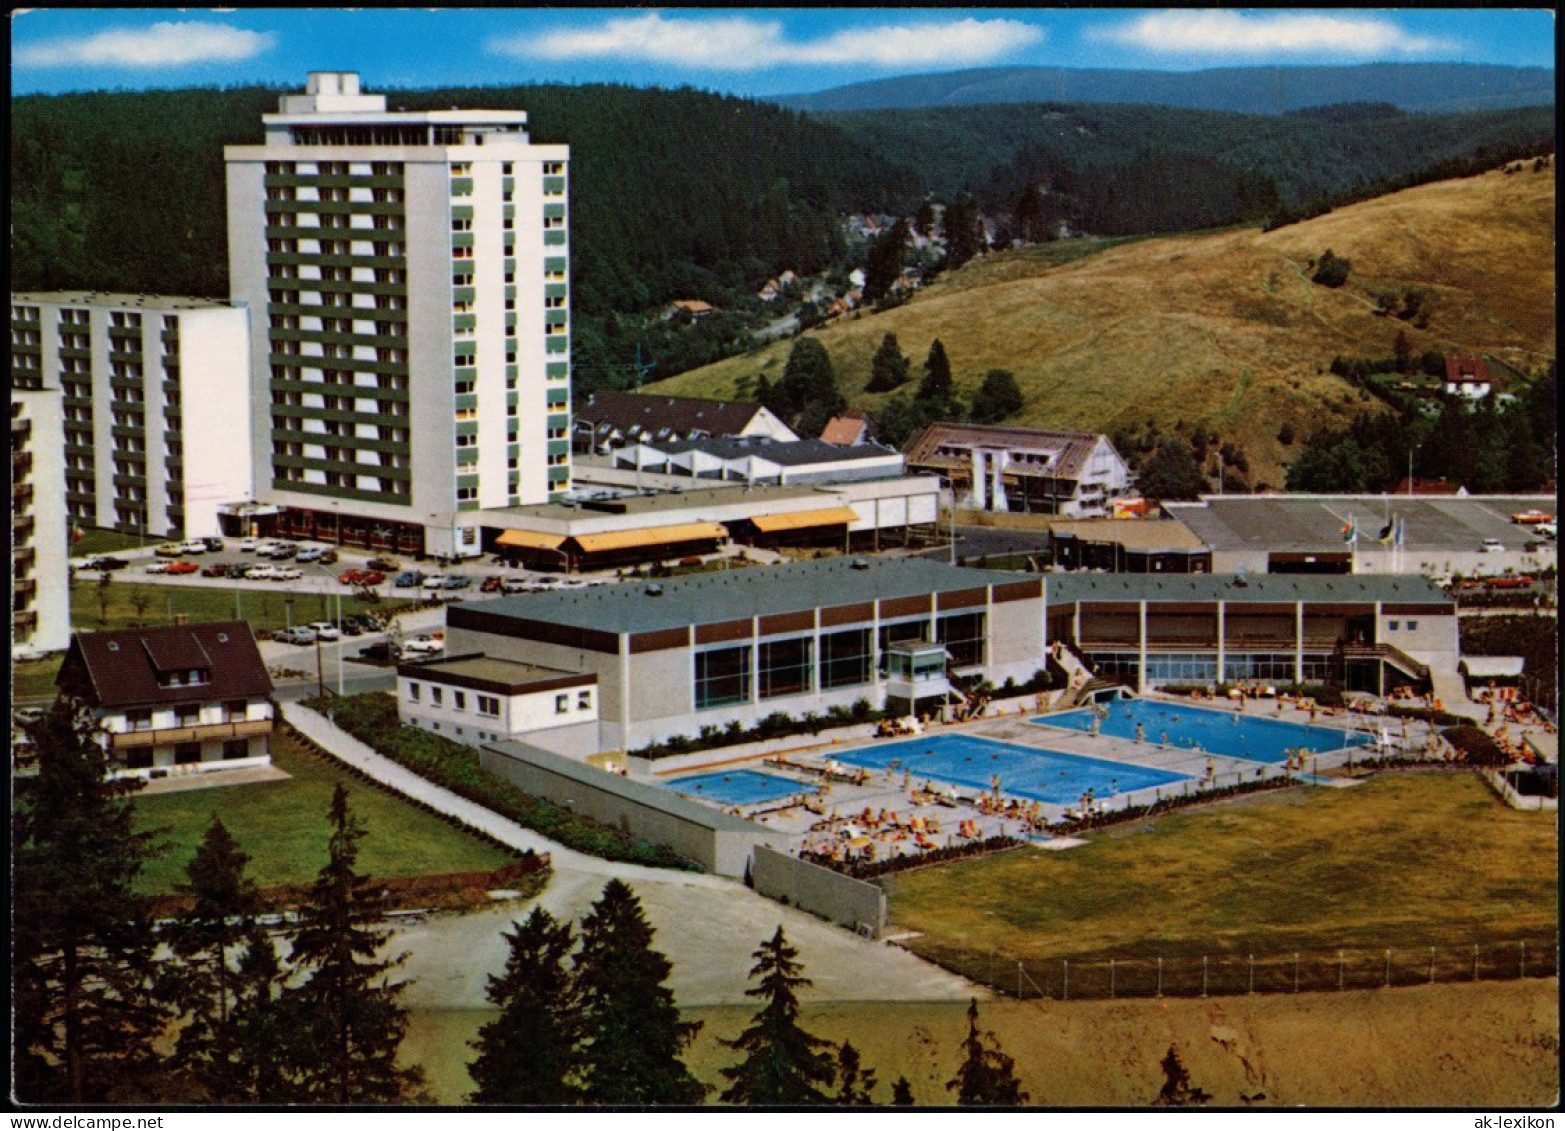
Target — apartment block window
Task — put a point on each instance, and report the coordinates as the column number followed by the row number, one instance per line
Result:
column 584, row 700
column 437, row 695
column 188, row 715
column 466, row 494
column 553, row 168
column 234, row 710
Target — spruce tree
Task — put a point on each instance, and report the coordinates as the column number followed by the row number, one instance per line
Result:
column 901, row 1093
column 964, row 231
column 635, row 1033
column 218, row 926
column 987, row 1077
column 998, row 397
column 889, row 368
column 784, row 1065
column 883, row 267
column 85, row 1010
column 347, row 1016
column 936, row 385
column 855, row 1083
column 530, row 1054
column 260, row 1026
column 1177, row 1090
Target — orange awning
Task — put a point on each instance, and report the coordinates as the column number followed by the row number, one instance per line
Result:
column 651, row 536
column 529, row 540
column 799, row 520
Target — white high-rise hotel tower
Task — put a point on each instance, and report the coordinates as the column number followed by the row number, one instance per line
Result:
column 407, row 280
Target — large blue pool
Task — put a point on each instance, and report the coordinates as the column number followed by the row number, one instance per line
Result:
column 1251, row 737
column 738, row 787
column 1024, row 771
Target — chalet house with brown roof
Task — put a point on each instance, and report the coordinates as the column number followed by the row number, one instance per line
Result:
column 1467, row 377
column 850, row 426
column 609, row 420
column 1070, row 474
column 174, row 700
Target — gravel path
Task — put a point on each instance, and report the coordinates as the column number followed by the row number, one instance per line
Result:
column 707, row 925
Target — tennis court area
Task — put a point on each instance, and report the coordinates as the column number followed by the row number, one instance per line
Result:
column 1228, row 733
column 1023, row 771
column 738, row 787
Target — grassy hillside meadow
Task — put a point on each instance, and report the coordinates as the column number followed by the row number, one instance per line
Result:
column 1225, row 327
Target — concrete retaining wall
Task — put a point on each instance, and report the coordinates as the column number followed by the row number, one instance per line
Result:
column 717, row 841
column 851, row 903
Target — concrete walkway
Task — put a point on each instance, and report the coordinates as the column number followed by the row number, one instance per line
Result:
column 708, row 926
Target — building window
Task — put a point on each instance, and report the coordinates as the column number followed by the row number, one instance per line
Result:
column 845, row 658
column 459, row 700
column 584, row 700
column 963, row 636
column 435, row 696
column 489, row 705
column 413, row 691
column 785, row 667
column 900, row 632
column 187, row 715
column 562, row 704
column 139, row 720
column 1391, row 626
column 236, row 748
column 722, row 677
column 235, row 710
column 1412, row 626
column 186, row 753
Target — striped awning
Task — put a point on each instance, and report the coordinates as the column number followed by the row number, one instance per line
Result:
column 651, row 536
column 529, row 540
column 799, row 520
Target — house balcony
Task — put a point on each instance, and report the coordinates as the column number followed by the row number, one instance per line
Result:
column 205, row 732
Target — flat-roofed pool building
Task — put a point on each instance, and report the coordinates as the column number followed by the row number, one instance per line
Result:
column 675, row 656
column 477, row 698
column 1367, row 633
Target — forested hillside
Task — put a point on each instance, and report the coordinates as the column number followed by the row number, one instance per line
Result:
column 674, row 193
column 1124, row 170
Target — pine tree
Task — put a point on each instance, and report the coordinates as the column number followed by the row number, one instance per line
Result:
column 998, row 397
column 85, row 1011
column 784, row 1065
column 964, row 231
column 936, row 385
column 901, row 1093
column 883, row 267
column 1177, row 1090
column 635, row 1033
column 855, row 1083
column 530, row 1054
column 889, row 367
column 987, row 1077
column 219, row 925
column 349, row 1021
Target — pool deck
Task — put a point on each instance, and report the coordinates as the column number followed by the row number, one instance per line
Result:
column 838, row 813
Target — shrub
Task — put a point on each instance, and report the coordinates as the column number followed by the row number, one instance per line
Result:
column 1332, row 270
column 1475, row 745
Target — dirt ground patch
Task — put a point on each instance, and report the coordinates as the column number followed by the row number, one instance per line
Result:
column 1486, row 1045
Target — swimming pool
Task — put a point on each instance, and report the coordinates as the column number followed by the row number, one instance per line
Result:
column 738, row 787
column 1250, row 737
column 1024, row 771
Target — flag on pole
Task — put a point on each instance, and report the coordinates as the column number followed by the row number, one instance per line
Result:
column 1387, row 532
column 1401, row 532
column 1350, row 532
column 77, row 534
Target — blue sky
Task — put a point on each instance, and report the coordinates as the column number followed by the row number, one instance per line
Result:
column 752, row 51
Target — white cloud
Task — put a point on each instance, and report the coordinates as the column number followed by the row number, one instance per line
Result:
column 1233, row 33
column 738, row 43
column 160, row 45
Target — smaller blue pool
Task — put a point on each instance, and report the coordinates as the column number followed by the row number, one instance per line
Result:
column 738, row 787
column 1023, row 771
column 1250, row 737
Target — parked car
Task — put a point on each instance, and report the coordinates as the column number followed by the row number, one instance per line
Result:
column 1549, row 530
column 350, row 577
column 105, row 563
column 170, row 550
column 1491, row 546
column 1521, row 581
column 434, row 581
column 298, row 634
column 407, row 579
column 1532, row 517
column 249, row 545
column 282, row 551
column 492, row 585
column 385, row 652
column 351, row 627
column 261, row 573
column 286, row 573
column 328, row 556
column 517, row 585
column 193, row 546
column 457, row 581
column 386, row 564
column 423, row 646
column 212, row 543
column 325, row 630
column 158, row 567
column 216, row 569
column 182, row 567
column 310, row 554
column 372, row 577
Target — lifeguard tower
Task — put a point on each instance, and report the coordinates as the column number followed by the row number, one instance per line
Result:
column 915, row 673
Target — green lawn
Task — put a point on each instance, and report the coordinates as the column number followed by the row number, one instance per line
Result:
column 1403, row 860
column 34, row 679
column 97, row 541
column 282, row 825
column 127, row 603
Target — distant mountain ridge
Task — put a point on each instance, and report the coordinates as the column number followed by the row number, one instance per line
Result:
column 1422, row 87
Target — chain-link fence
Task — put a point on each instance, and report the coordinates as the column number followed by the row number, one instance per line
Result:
column 1213, row 975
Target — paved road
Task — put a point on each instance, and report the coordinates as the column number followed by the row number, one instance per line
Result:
column 707, row 925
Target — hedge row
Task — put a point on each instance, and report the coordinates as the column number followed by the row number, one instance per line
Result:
column 372, row 718
column 1475, row 745
column 779, row 724
column 1324, row 694
column 870, row 869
